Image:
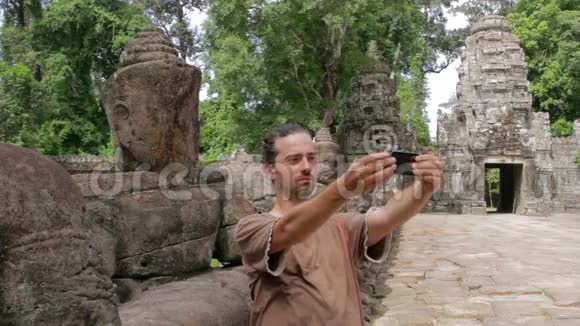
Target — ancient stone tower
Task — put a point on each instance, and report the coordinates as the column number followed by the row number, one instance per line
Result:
column 494, row 127
column 372, row 121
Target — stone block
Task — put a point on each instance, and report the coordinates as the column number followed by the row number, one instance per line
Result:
column 562, row 313
column 407, row 314
column 144, row 226
column 148, row 221
column 177, row 259
column 217, row 298
column 227, row 249
column 237, row 207
column 517, row 321
column 564, row 297
column 51, row 269
column 457, row 322
column 467, row 310
column 515, row 308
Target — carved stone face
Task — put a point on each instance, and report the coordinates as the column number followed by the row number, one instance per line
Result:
column 327, row 165
column 380, row 138
column 135, row 119
column 151, row 104
column 51, row 272
column 327, row 151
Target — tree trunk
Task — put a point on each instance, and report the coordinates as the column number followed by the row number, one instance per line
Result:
column 490, row 194
column 329, row 96
column 180, row 21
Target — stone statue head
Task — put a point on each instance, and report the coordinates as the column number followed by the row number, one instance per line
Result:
column 327, row 151
column 380, row 138
column 151, row 103
column 51, row 271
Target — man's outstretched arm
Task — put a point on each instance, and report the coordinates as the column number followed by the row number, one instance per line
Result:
column 428, row 171
column 302, row 220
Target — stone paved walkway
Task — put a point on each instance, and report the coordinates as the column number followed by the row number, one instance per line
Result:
column 485, row 270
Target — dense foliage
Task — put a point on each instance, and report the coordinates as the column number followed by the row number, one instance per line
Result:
column 295, row 60
column 53, row 63
column 265, row 62
column 562, row 128
column 550, row 33
column 171, row 16
column 475, row 9
column 492, row 179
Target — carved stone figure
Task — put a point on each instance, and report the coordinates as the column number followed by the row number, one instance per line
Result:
column 51, row 272
column 151, row 103
column 327, row 151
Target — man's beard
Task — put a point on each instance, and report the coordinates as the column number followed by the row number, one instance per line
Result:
column 296, row 191
column 305, row 192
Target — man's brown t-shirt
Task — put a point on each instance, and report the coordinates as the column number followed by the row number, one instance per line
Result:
column 311, row 283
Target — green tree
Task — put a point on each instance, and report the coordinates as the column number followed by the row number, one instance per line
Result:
column 440, row 46
column 216, row 117
column 295, row 60
column 562, row 128
column 21, row 12
column 51, row 72
column 413, row 111
column 550, row 34
column 492, row 177
column 171, row 15
column 476, row 9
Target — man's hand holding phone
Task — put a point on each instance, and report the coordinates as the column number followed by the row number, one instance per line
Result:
column 429, row 171
column 365, row 173
column 426, row 167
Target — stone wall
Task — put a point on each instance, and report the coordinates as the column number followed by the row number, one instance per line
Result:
column 150, row 225
column 157, row 233
column 566, row 178
column 76, row 164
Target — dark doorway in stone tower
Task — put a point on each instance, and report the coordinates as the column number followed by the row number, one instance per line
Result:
column 502, row 187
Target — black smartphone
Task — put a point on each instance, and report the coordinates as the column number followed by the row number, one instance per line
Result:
column 404, row 161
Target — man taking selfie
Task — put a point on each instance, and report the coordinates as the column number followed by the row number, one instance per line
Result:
column 302, row 255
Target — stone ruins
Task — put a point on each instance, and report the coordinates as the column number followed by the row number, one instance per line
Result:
column 116, row 245
column 494, row 127
column 145, row 229
column 372, row 122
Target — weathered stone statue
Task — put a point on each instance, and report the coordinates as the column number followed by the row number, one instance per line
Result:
column 142, row 234
column 51, row 273
column 327, row 151
column 151, row 104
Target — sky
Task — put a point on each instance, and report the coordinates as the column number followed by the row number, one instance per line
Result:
column 442, row 85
